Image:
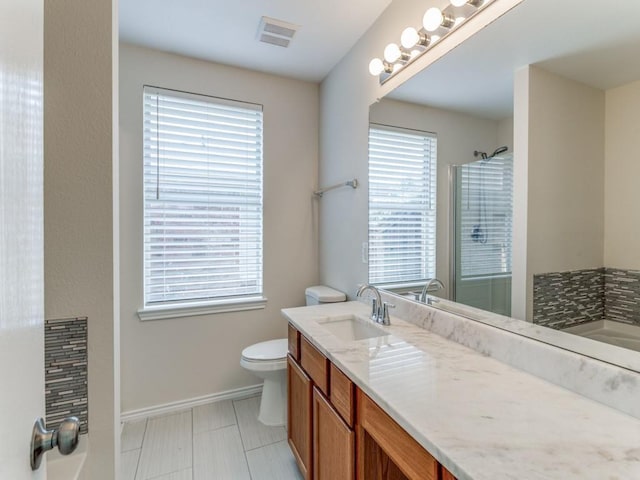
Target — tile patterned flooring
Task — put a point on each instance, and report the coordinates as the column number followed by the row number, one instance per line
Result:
column 218, row 441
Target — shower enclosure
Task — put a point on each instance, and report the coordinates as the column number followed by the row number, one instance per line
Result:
column 481, row 228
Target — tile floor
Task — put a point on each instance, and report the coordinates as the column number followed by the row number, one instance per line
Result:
column 220, row 441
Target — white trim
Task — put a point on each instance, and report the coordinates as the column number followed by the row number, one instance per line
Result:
column 165, row 312
column 172, row 407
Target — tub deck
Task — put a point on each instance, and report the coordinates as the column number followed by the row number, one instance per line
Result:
column 614, row 333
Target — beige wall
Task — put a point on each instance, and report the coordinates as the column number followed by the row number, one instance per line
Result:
column 166, row 361
column 565, row 168
column 622, row 177
column 80, row 62
column 458, row 136
column 505, row 133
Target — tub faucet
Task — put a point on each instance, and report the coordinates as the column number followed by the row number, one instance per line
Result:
column 431, row 281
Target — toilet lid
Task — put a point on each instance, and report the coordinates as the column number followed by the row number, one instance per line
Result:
column 269, row 350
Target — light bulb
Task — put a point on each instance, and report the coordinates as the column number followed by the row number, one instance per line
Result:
column 392, row 53
column 376, row 67
column 458, row 3
column 432, row 19
column 409, row 38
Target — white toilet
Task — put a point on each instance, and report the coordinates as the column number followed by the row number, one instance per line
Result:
column 268, row 360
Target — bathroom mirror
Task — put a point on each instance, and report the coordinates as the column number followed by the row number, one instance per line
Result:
column 558, row 83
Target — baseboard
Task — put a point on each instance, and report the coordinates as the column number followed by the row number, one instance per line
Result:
column 172, row 407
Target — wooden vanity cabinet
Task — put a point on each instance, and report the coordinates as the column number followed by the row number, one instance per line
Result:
column 336, row 432
column 320, row 434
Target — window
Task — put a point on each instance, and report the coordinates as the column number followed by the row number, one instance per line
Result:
column 202, row 199
column 486, row 217
column 402, row 205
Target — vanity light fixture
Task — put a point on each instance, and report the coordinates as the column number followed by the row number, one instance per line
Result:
column 411, row 39
column 414, row 42
column 434, row 18
column 393, row 54
column 377, row 66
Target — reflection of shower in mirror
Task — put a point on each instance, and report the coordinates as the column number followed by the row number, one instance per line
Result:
column 484, row 155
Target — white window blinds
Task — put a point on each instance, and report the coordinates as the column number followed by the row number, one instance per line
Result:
column 486, row 217
column 402, row 205
column 202, row 198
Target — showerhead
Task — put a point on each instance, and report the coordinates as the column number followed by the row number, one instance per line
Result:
column 499, row 150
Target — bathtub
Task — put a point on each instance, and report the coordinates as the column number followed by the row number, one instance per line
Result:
column 67, row 467
column 614, row 333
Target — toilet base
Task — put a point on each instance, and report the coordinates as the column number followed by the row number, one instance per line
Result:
column 273, row 404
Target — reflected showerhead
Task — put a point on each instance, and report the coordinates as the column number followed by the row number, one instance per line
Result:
column 499, row 150
column 483, row 155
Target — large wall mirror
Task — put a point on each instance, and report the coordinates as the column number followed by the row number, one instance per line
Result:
column 532, row 131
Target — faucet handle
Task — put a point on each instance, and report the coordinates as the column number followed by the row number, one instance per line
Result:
column 385, row 320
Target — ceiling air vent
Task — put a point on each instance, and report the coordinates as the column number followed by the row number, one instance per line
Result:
column 276, row 32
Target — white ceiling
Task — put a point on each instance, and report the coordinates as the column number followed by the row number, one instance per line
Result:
column 226, row 31
column 584, row 40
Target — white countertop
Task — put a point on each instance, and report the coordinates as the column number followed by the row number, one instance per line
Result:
column 480, row 418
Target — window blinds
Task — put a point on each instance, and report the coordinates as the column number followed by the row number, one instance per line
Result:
column 402, row 205
column 202, row 198
column 486, row 217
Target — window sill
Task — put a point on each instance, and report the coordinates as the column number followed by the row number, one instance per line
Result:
column 167, row 312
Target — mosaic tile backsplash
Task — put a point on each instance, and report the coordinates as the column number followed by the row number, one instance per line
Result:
column 564, row 299
column 622, row 295
column 65, row 374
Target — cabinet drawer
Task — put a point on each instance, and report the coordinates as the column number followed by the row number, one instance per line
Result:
column 342, row 394
column 294, row 342
column 315, row 364
column 408, row 455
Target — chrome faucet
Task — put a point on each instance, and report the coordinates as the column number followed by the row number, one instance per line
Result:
column 379, row 309
column 431, row 281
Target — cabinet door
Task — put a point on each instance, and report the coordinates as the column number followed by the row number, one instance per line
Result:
column 299, row 404
column 333, row 442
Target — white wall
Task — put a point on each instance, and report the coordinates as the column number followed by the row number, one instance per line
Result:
column 458, row 136
column 622, row 173
column 172, row 360
column 565, row 167
column 346, row 94
column 80, row 62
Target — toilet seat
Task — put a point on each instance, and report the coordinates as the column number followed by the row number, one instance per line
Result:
column 265, row 356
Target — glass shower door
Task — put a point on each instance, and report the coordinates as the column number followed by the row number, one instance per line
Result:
column 482, row 197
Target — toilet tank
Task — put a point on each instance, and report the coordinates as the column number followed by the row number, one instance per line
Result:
column 323, row 294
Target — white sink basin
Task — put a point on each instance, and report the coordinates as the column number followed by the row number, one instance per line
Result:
column 352, row 328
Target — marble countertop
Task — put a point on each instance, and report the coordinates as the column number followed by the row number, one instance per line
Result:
column 480, row 418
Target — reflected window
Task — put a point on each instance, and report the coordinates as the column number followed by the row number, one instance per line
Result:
column 402, row 205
